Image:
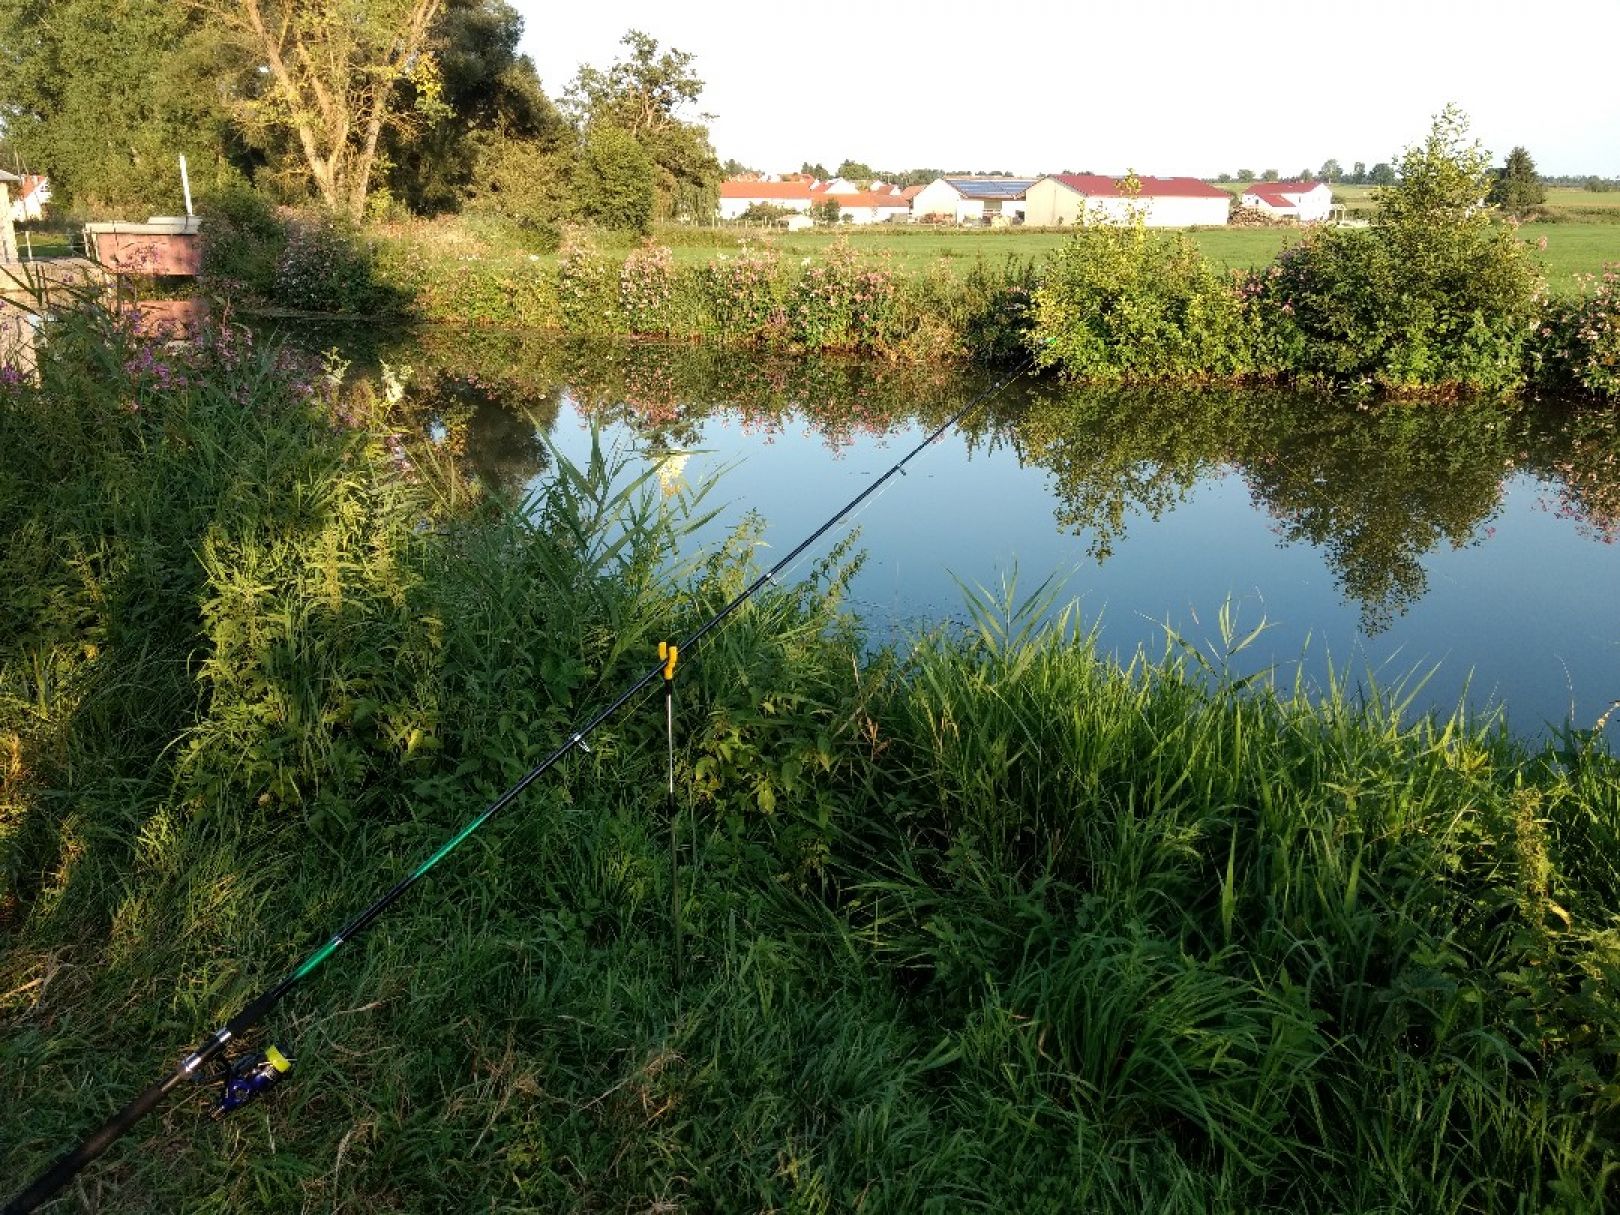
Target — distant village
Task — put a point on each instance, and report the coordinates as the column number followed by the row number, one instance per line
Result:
column 798, row 200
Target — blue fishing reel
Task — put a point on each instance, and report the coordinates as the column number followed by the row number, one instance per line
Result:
column 248, row 1079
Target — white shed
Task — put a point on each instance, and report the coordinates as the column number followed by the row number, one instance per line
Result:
column 1310, row 202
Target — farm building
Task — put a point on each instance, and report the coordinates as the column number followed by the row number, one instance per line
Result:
column 871, row 207
column 971, row 200
column 1164, row 202
column 1310, row 202
column 737, row 196
column 33, row 192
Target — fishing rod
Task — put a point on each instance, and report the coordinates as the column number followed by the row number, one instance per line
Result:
column 246, row 1079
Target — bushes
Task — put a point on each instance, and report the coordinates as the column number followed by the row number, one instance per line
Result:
column 327, row 267
column 1424, row 310
column 1126, row 304
column 1578, row 344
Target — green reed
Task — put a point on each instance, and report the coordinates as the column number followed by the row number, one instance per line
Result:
column 986, row 921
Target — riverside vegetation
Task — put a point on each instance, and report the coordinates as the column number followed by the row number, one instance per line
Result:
column 985, row 921
column 1438, row 297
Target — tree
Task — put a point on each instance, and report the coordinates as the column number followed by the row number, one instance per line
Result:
column 614, row 180
column 817, row 170
column 826, row 211
column 1245, row 174
column 1223, row 177
column 492, row 98
column 1381, row 174
column 1270, row 175
column 104, row 107
column 1441, row 181
column 1358, row 175
column 854, row 170
column 1331, row 170
column 644, row 95
column 1516, row 187
column 334, row 76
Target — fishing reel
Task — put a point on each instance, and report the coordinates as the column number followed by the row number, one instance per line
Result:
column 247, row 1079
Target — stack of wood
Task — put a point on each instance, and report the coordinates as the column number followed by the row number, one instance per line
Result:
column 1254, row 217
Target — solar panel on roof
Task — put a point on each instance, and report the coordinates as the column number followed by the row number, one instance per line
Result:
column 978, row 188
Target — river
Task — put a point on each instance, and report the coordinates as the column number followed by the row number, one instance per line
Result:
column 1442, row 554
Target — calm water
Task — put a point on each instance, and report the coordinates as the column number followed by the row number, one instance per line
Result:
column 1453, row 552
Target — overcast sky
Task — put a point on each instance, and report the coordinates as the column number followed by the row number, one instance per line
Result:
column 1168, row 87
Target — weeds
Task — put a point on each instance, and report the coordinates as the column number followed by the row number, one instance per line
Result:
column 985, row 923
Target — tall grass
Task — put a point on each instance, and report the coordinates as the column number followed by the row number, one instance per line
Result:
column 984, row 922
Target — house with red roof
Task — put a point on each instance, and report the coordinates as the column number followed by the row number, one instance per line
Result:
column 33, row 192
column 1060, row 199
column 737, row 195
column 1309, row 202
column 856, row 206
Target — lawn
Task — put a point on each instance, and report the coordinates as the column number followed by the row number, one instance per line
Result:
column 1572, row 248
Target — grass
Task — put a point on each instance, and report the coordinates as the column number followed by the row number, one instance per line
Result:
column 1572, row 248
column 984, row 923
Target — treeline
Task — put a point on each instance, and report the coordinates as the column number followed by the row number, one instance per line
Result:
column 378, row 108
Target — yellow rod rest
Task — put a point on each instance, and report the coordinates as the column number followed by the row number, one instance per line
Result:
column 668, row 653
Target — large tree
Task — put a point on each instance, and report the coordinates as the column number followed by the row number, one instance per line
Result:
column 1516, row 187
column 335, row 75
column 646, row 95
column 104, row 103
column 496, row 114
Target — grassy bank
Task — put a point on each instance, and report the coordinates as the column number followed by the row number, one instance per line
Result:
column 1573, row 248
column 987, row 922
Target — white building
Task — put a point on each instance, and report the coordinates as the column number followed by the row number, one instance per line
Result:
column 1062, row 199
column 870, row 207
column 971, row 200
column 1310, row 202
column 737, row 196
column 33, row 192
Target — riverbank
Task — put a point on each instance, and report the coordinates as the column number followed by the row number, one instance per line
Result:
column 1416, row 307
column 985, row 919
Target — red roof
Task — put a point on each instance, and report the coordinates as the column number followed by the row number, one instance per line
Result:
column 1272, row 197
column 911, row 192
column 764, row 189
column 1281, row 193
column 871, row 198
column 1098, row 186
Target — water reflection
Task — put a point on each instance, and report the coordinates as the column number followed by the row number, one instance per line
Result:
column 1376, row 493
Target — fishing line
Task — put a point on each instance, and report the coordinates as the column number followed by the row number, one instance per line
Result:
column 246, row 1079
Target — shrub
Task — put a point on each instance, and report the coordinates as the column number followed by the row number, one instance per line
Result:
column 326, row 267
column 587, row 290
column 1125, row 304
column 742, row 295
column 1578, row 345
column 242, row 241
column 647, row 288
column 1434, row 295
column 840, row 302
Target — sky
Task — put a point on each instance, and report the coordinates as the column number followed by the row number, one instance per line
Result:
column 1167, row 87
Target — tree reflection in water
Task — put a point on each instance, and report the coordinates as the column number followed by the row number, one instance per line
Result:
column 1375, row 489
